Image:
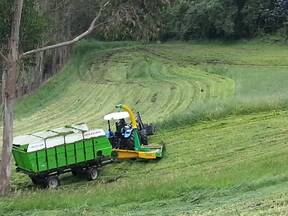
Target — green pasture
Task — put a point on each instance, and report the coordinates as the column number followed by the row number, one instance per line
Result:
column 220, row 109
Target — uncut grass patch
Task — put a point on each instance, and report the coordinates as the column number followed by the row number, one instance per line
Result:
column 253, row 80
column 217, row 109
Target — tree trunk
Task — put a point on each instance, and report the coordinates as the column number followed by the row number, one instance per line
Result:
column 38, row 71
column 9, row 92
column 8, row 105
column 9, row 87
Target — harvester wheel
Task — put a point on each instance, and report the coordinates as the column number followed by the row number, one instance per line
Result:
column 92, row 173
column 52, row 182
column 130, row 143
column 150, row 129
column 144, row 137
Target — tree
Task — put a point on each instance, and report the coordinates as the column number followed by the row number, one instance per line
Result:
column 9, row 84
column 130, row 19
column 226, row 19
column 8, row 97
column 135, row 20
column 33, row 32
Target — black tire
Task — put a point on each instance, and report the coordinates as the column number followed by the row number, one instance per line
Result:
column 35, row 180
column 38, row 181
column 52, row 182
column 144, row 137
column 150, row 129
column 92, row 173
column 76, row 171
column 130, row 143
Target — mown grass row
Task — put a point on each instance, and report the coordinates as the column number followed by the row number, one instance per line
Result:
column 95, row 81
column 202, row 163
column 207, row 167
column 159, row 81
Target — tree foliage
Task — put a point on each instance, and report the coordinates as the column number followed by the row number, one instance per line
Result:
column 33, row 24
column 189, row 19
column 146, row 19
column 135, row 20
column 124, row 19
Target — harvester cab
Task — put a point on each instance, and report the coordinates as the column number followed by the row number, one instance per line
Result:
column 130, row 139
column 120, row 137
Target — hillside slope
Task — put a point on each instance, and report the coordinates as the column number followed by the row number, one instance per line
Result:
column 95, row 81
column 226, row 166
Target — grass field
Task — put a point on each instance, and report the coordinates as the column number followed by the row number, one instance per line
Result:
column 222, row 114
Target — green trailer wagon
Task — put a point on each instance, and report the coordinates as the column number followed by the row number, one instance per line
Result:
column 47, row 154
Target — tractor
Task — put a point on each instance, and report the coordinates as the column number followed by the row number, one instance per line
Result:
column 130, row 140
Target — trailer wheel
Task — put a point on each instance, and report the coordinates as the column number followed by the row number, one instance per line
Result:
column 37, row 180
column 76, row 171
column 34, row 180
column 52, row 182
column 92, row 173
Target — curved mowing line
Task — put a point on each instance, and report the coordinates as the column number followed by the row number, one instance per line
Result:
column 165, row 90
